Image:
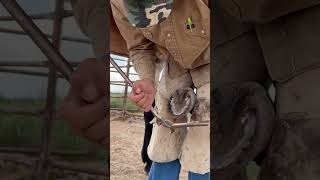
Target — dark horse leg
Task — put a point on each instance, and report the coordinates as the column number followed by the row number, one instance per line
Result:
column 148, row 116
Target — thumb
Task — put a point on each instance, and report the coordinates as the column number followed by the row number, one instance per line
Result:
column 137, row 88
column 90, row 92
column 138, row 91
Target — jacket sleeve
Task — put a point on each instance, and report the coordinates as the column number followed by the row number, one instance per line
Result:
column 261, row 11
column 141, row 50
column 92, row 18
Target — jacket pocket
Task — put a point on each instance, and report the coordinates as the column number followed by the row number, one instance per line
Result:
column 175, row 69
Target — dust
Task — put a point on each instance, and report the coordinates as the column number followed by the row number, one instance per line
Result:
column 126, row 143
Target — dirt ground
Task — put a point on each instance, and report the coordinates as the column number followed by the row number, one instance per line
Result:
column 126, row 142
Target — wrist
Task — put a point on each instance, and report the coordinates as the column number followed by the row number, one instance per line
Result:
column 147, row 76
column 148, row 79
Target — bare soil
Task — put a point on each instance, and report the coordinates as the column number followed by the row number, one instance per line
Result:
column 126, row 143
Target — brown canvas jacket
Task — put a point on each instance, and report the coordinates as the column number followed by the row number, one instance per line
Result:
column 170, row 37
column 288, row 35
column 262, row 11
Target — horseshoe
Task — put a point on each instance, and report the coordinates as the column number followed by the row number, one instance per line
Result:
column 182, row 102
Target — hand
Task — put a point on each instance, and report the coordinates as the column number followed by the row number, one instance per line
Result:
column 143, row 93
column 85, row 107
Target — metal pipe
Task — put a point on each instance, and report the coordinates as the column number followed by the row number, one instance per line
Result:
column 18, row 158
column 125, row 77
column 13, row 150
column 191, row 124
column 115, row 84
column 122, row 66
column 48, row 15
column 134, row 74
column 38, row 37
column 21, row 111
column 56, row 163
column 40, row 63
column 164, row 122
column 65, row 38
column 26, row 72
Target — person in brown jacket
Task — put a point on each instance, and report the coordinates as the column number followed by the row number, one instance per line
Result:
column 176, row 32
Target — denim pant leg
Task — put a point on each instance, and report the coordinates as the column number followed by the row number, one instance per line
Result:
column 165, row 171
column 195, row 176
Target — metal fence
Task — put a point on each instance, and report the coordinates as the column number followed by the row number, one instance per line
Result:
column 124, row 98
column 45, row 159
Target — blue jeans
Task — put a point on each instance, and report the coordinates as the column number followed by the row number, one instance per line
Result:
column 171, row 171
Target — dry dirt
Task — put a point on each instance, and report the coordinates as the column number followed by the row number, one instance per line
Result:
column 126, row 142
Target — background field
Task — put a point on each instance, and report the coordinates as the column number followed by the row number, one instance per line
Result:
column 118, row 103
column 25, row 131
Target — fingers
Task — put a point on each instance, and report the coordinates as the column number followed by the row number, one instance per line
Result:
column 143, row 103
column 142, row 100
column 136, row 97
column 87, row 120
column 89, row 79
column 82, row 116
column 90, row 92
column 146, row 102
column 150, row 102
column 85, row 107
column 142, row 94
column 98, row 131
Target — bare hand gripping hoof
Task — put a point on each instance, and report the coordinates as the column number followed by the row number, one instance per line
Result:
column 181, row 103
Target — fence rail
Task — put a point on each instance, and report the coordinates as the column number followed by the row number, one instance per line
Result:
column 45, row 158
column 127, row 68
column 41, row 63
column 45, row 16
column 65, row 38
